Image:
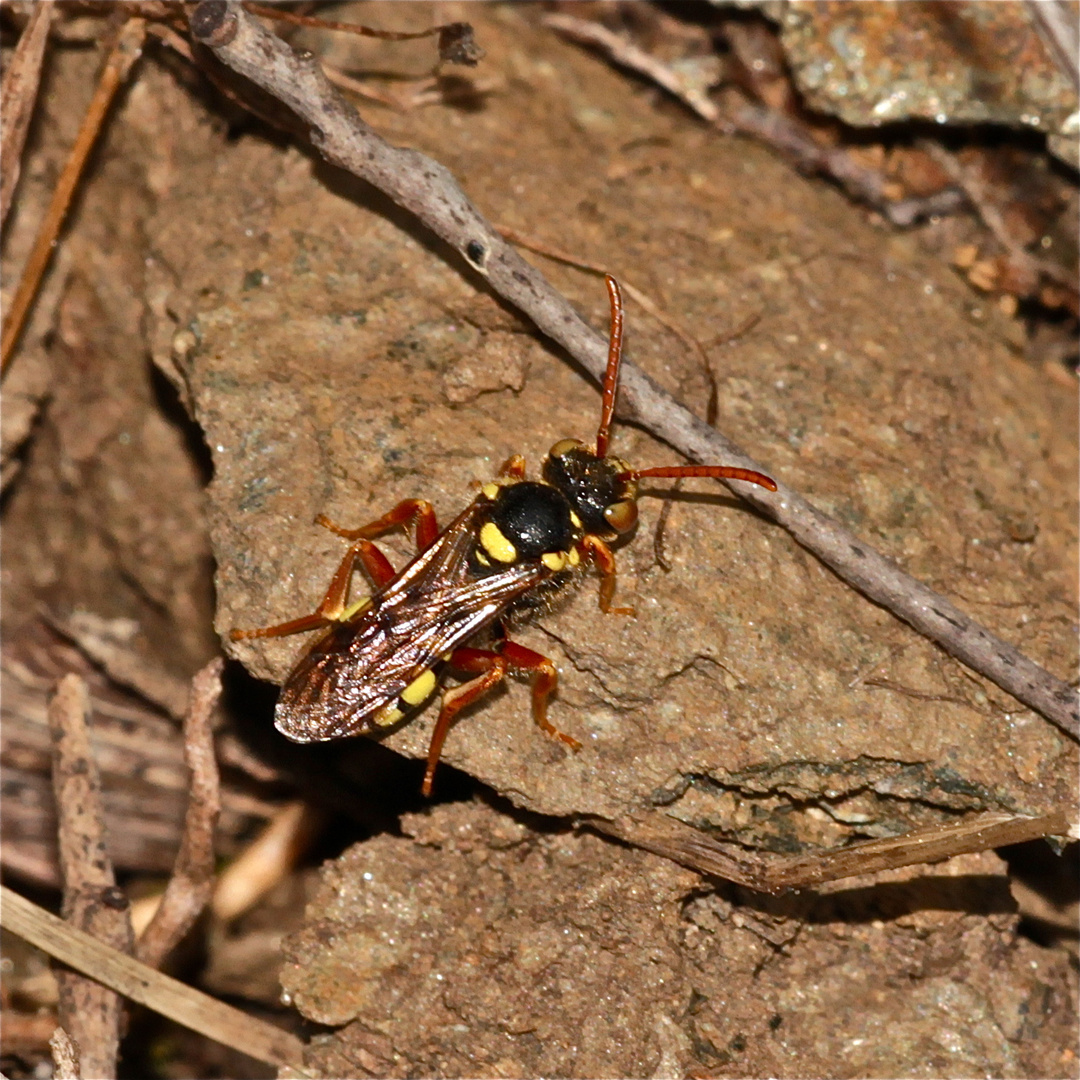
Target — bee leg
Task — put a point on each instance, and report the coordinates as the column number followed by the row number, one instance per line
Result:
column 333, row 607
column 513, row 466
column 418, row 510
column 490, row 668
column 545, row 679
column 604, row 560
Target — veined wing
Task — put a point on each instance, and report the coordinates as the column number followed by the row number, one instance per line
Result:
column 361, row 666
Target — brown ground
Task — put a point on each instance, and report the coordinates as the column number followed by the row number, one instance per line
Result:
column 337, row 360
column 481, row 948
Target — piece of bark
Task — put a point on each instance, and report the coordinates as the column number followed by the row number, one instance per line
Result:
column 89, row 1012
column 192, row 880
column 139, row 755
column 19, row 93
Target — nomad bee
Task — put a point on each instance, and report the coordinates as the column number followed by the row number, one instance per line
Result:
column 515, row 545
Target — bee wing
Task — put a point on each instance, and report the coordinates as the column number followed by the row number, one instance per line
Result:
column 361, row 666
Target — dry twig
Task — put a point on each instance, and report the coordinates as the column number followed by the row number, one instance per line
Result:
column 125, row 52
column 691, row 847
column 192, row 879
column 626, row 53
column 1056, row 23
column 457, row 45
column 17, row 99
column 88, row 1011
column 148, row 987
column 427, row 189
column 137, row 751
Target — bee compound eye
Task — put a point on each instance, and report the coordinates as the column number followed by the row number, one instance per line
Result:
column 564, row 446
column 621, row 515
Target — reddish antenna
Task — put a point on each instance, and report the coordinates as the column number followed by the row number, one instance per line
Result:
column 607, row 412
column 614, row 358
column 719, row 472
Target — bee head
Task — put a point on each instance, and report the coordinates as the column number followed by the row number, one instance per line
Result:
column 602, row 497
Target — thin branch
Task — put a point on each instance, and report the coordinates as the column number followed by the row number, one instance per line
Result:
column 89, row 1012
column 427, row 189
column 17, row 99
column 691, row 847
column 625, row 52
column 170, row 37
column 192, row 879
column 148, row 987
column 124, row 53
column 457, row 45
column 1056, row 23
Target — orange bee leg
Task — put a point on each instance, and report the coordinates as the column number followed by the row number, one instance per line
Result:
column 545, row 679
column 491, row 669
column 604, row 560
column 513, row 466
column 418, row 510
column 293, row 626
column 333, row 607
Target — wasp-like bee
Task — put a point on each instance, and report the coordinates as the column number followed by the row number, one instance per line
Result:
column 382, row 658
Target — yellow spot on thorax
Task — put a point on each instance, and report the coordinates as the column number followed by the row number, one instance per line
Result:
column 496, row 545
column 553, row 560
